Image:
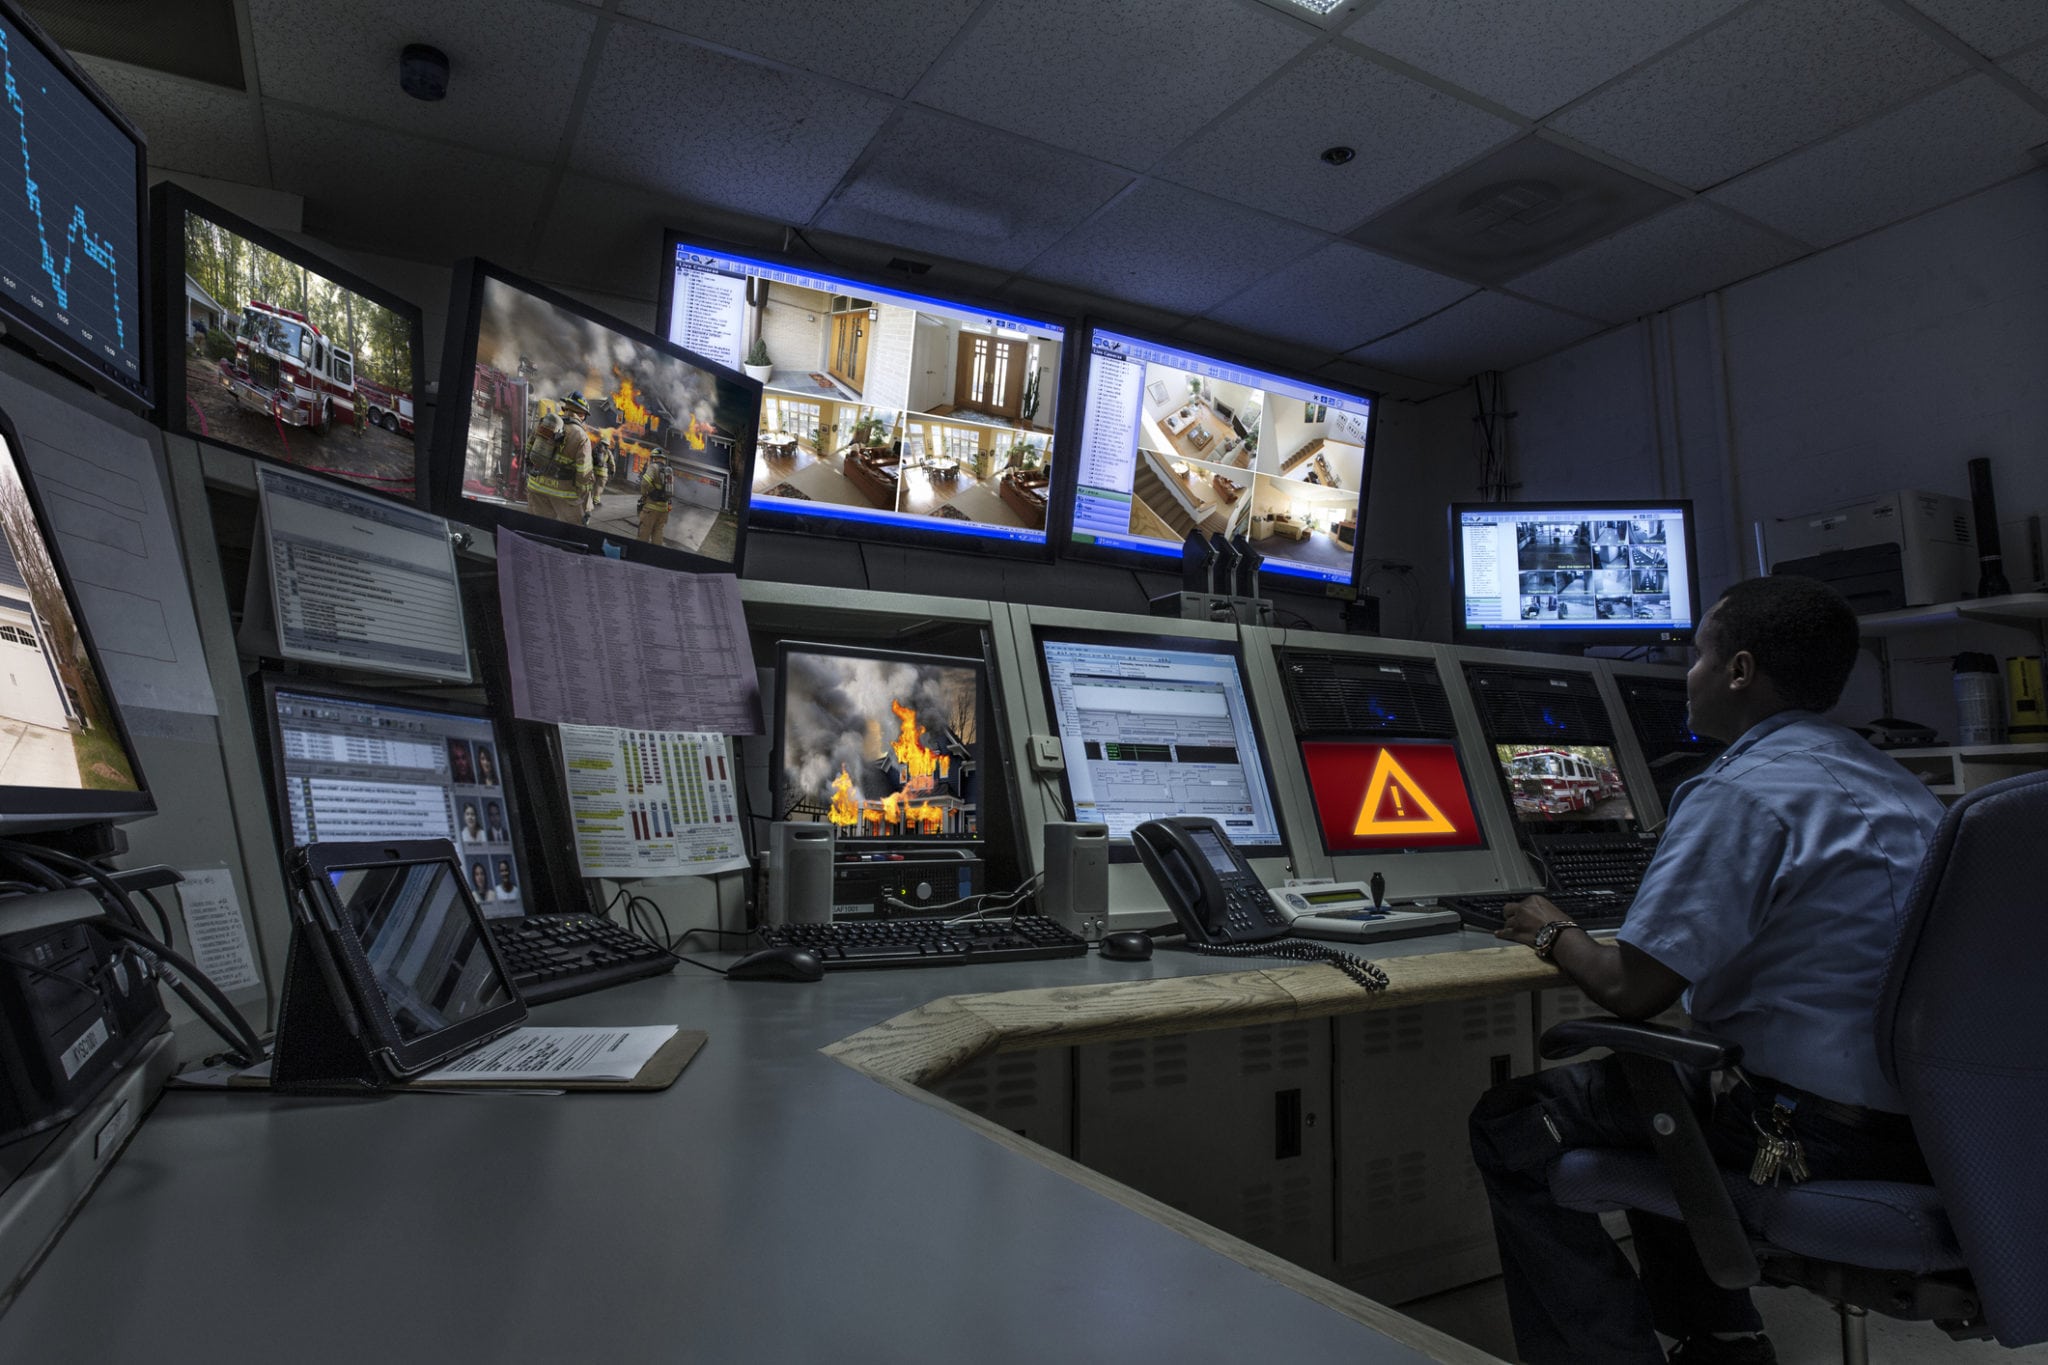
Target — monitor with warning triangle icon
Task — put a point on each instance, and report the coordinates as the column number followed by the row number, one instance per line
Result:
column 1390, row 798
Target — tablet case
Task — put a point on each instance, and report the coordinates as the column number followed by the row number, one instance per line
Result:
column 314, row 1052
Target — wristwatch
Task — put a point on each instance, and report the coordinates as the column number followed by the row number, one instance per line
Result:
column 1546, row 937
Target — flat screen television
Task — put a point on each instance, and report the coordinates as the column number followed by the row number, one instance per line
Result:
column 1174, row 439
column 1563, row 574
column 568, row 424
column 68, row 761
column 269, row 349
column 886, row 415
column 74, row 226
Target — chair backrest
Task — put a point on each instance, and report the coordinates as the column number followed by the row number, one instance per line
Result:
column 1962, row 1031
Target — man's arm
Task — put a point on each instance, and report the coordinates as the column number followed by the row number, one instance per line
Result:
column 1618, row 977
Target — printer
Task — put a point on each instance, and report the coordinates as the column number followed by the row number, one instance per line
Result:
column 1894, row 550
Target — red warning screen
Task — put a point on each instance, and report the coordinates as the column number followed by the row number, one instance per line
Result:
column 1376, row 798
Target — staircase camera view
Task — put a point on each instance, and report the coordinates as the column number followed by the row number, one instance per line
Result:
column 286, row 363
column 1173, row 443
column 881, row 406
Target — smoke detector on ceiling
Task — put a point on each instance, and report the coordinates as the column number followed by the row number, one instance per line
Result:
column 423, row 72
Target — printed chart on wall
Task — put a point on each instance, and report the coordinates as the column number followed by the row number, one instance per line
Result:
column 651, row 803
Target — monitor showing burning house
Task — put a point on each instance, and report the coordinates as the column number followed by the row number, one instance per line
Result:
column 282, row 355
column 884, row 746
column 578, row 426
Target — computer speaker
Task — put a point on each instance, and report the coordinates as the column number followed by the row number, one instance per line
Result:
column 1076, row 893
column 799, row 873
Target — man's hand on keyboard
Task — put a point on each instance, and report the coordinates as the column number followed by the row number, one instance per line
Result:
column 1521, row 919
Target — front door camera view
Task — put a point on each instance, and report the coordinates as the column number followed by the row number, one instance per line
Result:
column 881, row 407
column 56, row 727
column 572, row 421
column 1555, row 569
column 1174, row 442
column 883, row 749
column 1563, row 783
column 287, row 364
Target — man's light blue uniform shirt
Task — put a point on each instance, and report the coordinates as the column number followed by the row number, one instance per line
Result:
column 1778, row 890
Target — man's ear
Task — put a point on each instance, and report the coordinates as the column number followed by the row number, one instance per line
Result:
column 1742, row 670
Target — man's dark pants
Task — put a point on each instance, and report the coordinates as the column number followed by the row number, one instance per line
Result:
column 1571, row 1293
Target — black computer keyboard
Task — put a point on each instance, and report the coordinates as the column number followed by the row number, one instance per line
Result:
column 928, row 942
column 1595, row 862
column 553, row 956
column 1592, row 910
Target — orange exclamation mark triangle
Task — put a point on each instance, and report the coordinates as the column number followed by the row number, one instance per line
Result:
column 1389, row 777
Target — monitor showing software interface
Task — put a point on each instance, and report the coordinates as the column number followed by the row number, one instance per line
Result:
column 1159, row 729
column 1554, row 569
column 1563, row 783
column 1173, row 440
column 355, row 769
column 883, row 409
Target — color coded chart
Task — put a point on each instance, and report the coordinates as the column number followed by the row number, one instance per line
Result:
column 651, row 803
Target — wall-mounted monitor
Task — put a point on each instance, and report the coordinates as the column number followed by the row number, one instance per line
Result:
column 568, row 424
column 886, row 415
column 73, row 232
column 66, row 760
column 1173, row 440
column 269, row 349
column 1551, row 575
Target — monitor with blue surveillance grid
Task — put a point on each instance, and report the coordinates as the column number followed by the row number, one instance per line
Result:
column 1572, row 574
column 887, row 415
column 1174, row 440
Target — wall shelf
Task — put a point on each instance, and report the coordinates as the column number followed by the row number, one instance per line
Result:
column 2024, row 610
column 1951, row 770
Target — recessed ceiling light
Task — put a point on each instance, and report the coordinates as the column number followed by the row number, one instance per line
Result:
column 1337, row 156
column 1324, row 14
column 1316, row 7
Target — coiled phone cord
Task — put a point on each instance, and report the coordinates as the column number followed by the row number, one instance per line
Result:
column 1367, row 974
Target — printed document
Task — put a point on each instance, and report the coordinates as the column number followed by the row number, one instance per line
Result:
column 652, row 803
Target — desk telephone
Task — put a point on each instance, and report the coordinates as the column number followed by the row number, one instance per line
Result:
column 1221, row 903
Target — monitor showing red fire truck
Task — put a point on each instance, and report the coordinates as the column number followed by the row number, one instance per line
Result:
column 281, row 355
column 1553, row 783
column 583, row 423
column 883, row 746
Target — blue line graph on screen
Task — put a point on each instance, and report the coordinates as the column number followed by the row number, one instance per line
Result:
column 77, row 233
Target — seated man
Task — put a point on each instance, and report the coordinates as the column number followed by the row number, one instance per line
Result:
column 1771, row 905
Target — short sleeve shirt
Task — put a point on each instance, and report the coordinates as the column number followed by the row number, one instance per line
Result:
column 1778, row 890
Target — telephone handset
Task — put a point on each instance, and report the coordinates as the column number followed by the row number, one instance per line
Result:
column 1221, row 902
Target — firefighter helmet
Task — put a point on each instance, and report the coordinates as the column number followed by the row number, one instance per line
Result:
column 574, row 405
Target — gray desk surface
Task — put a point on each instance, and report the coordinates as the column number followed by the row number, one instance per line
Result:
column 773, row 1205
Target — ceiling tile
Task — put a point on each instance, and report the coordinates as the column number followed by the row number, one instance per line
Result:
column 1125, row 82
column 2031, row 70
column 1993, row 27
column 399, row 195
column 1488, row 331
column 687, row 121
column 1938, row 148
column 1349, row 374
column 1221, row 337
column 1771, row 79
column 608, row 238
column 202, row 129
column 1265, row 152
column 1677, row 255
column 1060, row 301
column 882, row 46
column 512, row 65
column 1173, row 248
column 936, row 184
column 1339, row 296
column 1531, row 58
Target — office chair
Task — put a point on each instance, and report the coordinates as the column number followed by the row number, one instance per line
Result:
column 1960, row 1026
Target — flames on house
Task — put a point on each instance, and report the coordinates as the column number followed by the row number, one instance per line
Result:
column 876, row 778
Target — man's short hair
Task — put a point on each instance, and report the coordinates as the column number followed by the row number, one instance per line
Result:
column 1801, row 632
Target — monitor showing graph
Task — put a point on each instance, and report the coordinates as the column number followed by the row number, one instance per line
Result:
column 71, row 215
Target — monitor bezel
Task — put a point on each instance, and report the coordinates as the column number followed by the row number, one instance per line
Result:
column 1123, row 850
column 451, row 429
column 51, row 345
column 1301, row 743
column 1540, row 638
column 1271, row 580
column 25, row 810
column 268, row 683
column 932, row 536
column 988, row 720
column 169, row 204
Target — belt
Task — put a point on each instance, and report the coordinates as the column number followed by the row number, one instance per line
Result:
column 1853, row 1117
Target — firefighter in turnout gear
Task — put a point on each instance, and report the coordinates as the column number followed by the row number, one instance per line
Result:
column 601, row 463
column 558, row 462
column 656, row 495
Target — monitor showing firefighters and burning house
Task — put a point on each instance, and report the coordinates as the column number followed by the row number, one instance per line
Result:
column 565, row 423
column 885, row 414
column 271, row 350
column 886, row 747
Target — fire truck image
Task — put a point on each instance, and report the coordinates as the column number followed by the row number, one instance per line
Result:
column 286, row 369
column 390, row 408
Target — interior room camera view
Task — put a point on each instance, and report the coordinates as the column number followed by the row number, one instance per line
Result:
column 1614, row 570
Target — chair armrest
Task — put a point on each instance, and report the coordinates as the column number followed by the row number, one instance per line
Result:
column 1680, row 1047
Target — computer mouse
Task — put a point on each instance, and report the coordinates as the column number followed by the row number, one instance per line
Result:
column 1126, row 945
column 786, row 963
